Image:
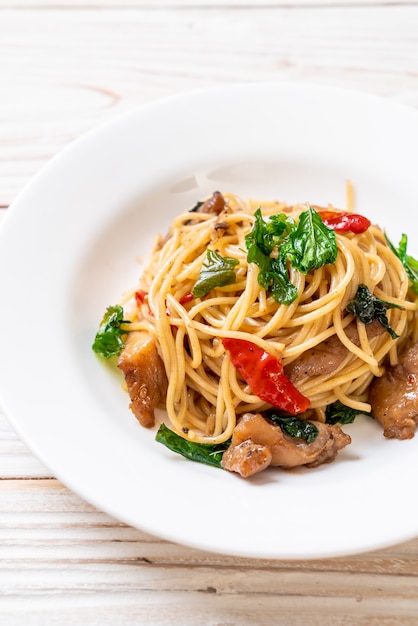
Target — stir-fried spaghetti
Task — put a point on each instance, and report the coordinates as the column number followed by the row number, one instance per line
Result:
column 206, row 393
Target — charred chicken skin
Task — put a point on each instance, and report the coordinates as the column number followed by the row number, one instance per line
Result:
column 394, row 397
column 145, row 376
column 257, row 443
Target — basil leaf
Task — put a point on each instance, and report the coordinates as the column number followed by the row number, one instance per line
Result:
column 294, row 426
column 412, row 271
column 410, row 264
column 196, row 206
column 367, row 308
column 271, row 245
column 108, row 341
column 339, row 413
column 264, row 262
column 261, row 242
column 216, row 271
column 209, row 454
column 282, row 289
column 312, row 244
column 266, row 236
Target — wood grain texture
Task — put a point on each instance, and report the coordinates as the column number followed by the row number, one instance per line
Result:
column 79, row 68
column 77, row 563
column 66, row 66
column 195, row 4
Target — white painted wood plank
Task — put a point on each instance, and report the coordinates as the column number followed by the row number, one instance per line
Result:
column 207, row 608
column 182, row 4
column 77, row 69
column 76, row 587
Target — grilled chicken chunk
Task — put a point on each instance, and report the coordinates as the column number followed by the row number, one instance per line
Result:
column 215, row 204
column 144, row 375
column 394, row 397
column 257, row 443
column 327, row 356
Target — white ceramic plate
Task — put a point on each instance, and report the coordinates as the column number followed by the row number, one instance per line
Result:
column 70, row 246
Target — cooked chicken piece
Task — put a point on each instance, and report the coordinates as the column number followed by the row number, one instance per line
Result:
column 257, row 443
column 144, row 374
column 327, row 356
column 246, row 458
column 324, row 358
column 215, row 204
column 218, row 230
column 394, row 397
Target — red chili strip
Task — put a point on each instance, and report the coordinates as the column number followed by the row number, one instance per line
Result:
column 188, row 297
column 140, row 296
column 344, row 222
column 264, row 373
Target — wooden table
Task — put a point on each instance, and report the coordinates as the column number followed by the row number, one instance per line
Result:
column 65, row 66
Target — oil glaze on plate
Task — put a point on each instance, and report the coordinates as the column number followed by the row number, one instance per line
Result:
column 76, row 238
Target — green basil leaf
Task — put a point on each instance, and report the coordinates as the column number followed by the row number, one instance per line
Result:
column 196, row 206
column 410, row 264
column 257, row 240
column 367, row 307
column 108, row 341
column 216, row 271
column 282, row 289
column 209, row 454
column 294, row 426
column 272, row 244
column 312, row 244
column 261, row 242
column 339, row 413
column 264, row 237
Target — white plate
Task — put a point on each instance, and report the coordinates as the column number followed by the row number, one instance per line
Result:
column 70, row 246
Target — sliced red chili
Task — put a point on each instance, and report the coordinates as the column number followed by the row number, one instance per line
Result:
column 140, row 297
column 263, row 372
column 344, row 222
column 188, row 297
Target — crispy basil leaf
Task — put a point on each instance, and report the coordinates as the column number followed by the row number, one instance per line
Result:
column 216, row 271
column 282, row 289
column 266, row 236
column 196, row 206
column 209, row 454
column 339, row 413
column 263, row 239
column 367, row 307
column 294, row 426
column 410, row 264
column 272, row 244
column 312, row 244
column 108, row 341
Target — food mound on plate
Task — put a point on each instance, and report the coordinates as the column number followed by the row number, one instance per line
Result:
column 263, row 328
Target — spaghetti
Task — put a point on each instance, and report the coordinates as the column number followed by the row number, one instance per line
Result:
column 206, row 393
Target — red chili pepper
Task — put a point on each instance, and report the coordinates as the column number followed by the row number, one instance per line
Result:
column 140, row 296
column 186, row 298
column 264, row 374
column 344, row 222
